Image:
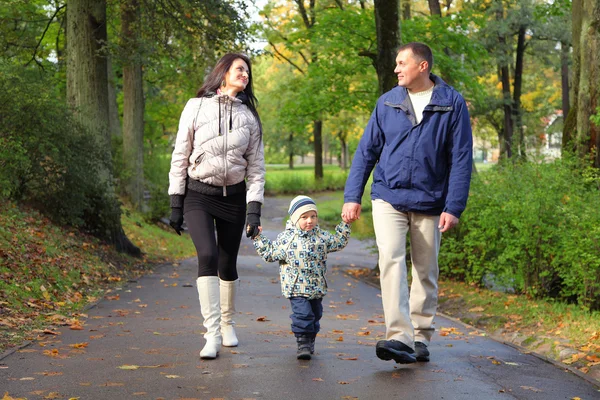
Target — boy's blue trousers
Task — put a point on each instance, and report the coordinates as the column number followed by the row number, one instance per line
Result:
column 306, row 315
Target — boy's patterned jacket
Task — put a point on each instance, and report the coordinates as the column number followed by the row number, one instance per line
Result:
column 302, row 257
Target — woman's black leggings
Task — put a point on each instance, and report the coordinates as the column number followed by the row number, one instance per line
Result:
column 217, row 254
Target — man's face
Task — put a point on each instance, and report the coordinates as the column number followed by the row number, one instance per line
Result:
column 409, row 70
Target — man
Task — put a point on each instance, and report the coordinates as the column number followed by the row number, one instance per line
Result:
column 419, row 141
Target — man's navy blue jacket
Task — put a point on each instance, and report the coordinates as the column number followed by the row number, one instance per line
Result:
column 423, row 168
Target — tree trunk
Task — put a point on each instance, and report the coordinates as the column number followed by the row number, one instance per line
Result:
column 291, row 149
column 114, row 121
column 564, row 72
column 586, row 74
column 343, row 151
column 87, row 93
column 503, row 57
column 518, row 84
column 387, row 25
column 133, row 105
column 405, row 6
column 434, row 8
column 318, row 136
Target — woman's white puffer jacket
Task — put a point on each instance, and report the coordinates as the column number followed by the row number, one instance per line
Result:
column 218, row 157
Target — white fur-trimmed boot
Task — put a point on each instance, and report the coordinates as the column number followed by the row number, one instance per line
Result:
column 228, row 290
column 208, row 293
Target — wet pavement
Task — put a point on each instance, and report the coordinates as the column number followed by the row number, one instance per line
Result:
column 144, row 344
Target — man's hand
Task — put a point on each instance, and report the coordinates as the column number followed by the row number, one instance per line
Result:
column 350, row 212
column 447, row 222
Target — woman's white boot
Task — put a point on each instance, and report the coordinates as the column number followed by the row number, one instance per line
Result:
column 208, row 293
column 228, row 290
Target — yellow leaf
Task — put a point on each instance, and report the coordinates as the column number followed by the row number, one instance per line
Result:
column 129, row 367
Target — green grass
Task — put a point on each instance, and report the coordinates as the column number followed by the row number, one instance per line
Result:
column 282, row 180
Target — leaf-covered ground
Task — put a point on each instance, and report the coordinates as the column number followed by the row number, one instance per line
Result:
column 50, row 274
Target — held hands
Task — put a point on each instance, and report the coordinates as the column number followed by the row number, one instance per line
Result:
column 351, row 212
column 253, row 219
column 176, row 220
column 447, row 222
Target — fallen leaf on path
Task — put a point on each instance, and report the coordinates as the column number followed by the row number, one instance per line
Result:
column 318, row 380
column 128, row 367
column 172, row 376
column 79, row 345
column 8, row 397
column 531, row 388
column 347, row 316
column 262, row 319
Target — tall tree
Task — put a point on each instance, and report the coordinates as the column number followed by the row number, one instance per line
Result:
column 387, row 25
column 133, row 103
column 87, row 93
column 586, row 77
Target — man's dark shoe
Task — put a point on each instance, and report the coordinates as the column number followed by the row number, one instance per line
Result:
column 395, row 350
column 421, row 352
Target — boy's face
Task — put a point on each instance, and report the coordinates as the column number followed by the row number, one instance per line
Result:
column 308, row 220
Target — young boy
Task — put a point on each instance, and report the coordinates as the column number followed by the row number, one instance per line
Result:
column 302, row 254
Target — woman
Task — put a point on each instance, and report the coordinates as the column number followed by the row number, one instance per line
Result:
column 217, row 168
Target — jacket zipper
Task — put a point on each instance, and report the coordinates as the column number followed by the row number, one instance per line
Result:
column 225, row 148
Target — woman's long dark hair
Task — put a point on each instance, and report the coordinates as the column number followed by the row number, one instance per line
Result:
column 217, row 75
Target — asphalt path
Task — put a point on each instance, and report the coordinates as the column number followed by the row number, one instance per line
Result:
column 142, row 342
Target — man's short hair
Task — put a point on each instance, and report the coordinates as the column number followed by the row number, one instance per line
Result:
column 421, row 52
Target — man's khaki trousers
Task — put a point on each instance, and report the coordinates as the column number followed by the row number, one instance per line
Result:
column 407, row 318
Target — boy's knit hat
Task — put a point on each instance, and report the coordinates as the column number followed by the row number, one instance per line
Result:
column 299, row 205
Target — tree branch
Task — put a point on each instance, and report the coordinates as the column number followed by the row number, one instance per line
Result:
column 286, row 59
column 37, row 46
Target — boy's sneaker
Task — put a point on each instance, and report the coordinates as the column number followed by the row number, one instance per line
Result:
column 304, row 348
column 421, row 351
column 395, row 350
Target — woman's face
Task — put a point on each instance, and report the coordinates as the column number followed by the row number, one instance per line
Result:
column 236, row 79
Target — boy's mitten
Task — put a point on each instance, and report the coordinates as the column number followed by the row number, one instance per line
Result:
column 253, row 219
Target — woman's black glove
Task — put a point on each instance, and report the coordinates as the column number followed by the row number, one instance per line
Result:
column 253, row 219
column 176, row 220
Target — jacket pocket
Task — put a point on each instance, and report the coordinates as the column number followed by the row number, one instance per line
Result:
column 198, row 161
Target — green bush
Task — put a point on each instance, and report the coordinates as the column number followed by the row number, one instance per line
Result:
column 533, row 228
column 46, row 158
